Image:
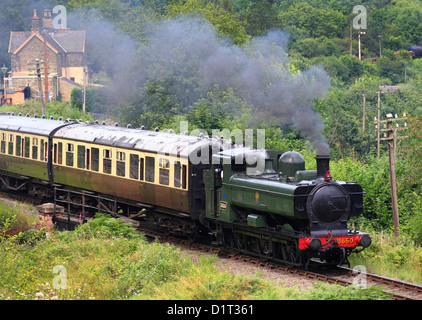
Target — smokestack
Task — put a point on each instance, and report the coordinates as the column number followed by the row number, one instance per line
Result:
column 47, row 20
column 323, row 166
column 35, row 22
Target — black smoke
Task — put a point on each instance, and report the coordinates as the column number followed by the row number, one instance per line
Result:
column 187, row 54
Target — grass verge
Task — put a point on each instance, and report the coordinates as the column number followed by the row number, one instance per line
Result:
column 106, row 259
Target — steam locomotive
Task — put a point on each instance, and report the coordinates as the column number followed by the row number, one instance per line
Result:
column 186, row 185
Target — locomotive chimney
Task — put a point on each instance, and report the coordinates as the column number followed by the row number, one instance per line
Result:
column 323, row 166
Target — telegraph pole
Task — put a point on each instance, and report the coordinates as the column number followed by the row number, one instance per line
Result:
column 391, row 137
column 360, row 52
column 364, row 111
column 378, row 124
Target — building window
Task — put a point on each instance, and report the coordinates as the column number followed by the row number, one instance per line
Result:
column 150, row 169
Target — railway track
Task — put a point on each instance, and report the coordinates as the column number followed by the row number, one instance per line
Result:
column 400, row 290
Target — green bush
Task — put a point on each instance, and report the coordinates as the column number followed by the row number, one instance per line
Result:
column 96, row 99
column 102, row 226
column 31, row 236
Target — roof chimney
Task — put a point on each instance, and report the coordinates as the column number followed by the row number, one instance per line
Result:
column 47, row 20
column 35, row 22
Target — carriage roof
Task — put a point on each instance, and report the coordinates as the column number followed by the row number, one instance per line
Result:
column 29, row 125
column 91, row 132
column 137, row 139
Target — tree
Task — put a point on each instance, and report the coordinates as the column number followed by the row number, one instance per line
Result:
column 314, row 47
column 261, row 17
column 227, row 23
column 318, row 22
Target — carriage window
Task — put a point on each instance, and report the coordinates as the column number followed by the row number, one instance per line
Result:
column 121, row 156
column 55, row 153
column 164, row 164
column 3, row 143
column 164, row 176
column 69, row 155
column 107, row 161
column 10, row 151
column 150, row 169
column 95, row 159
column 27, row 147
column 134, row 166
column 88, row 159
column 34, row 148
column 10, row 147
column 177, row 168
column 141, row 169
column 45, row 151
column 120, row 163
column 184, row 175
column 42, row 150
column 81, row 157
column 59, row 152
column 18, row 144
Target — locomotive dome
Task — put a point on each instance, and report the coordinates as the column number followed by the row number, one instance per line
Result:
column 290, row 162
